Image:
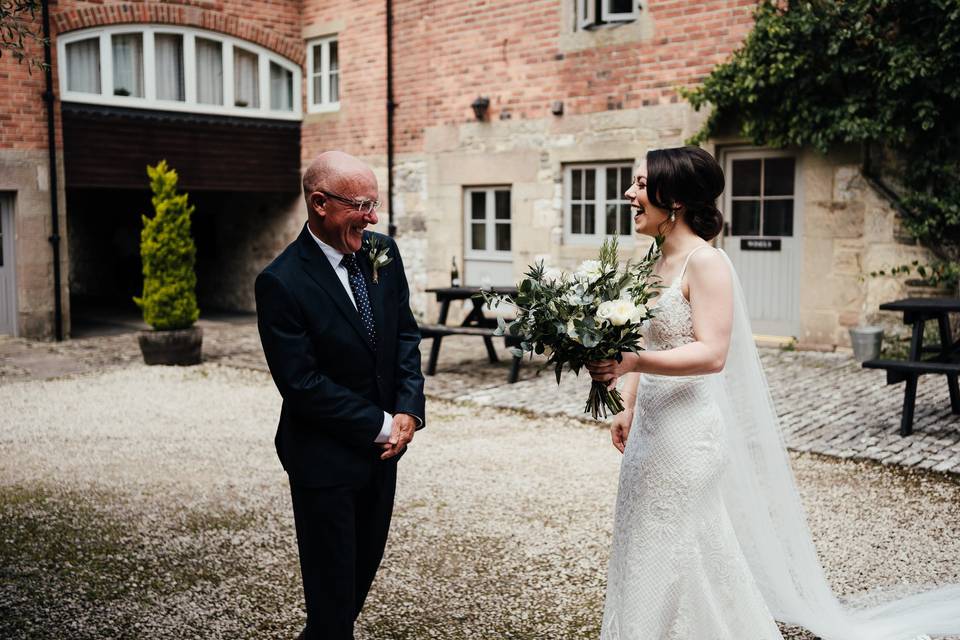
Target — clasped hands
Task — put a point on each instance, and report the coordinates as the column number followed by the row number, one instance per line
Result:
column 609, row 371
column 403, row 428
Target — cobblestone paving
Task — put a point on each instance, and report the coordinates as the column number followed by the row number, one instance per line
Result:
column 827, row 403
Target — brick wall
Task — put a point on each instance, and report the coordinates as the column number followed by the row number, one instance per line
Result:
column 23, row 115
column 448, row 53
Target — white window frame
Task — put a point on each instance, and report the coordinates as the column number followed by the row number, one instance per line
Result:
column 322, row 103
column 763, row 155
column 600, row 203
column 490, row 221
column 190, row 104
column 587, row 14
column 608, row 15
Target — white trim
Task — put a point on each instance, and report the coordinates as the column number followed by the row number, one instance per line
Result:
column 600, row 231
column 323, row 104
column 607, row 15
column 190, row 105
column 490, row 223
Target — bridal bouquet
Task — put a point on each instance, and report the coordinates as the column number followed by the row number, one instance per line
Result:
column 591, row 314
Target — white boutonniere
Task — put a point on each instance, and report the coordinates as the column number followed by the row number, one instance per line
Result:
column 379, row 256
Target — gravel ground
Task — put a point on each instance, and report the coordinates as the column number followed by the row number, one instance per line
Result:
column 147, row 502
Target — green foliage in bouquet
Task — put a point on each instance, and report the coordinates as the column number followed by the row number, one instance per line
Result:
column 878, row 73
column 168, row 253
column 592, row 314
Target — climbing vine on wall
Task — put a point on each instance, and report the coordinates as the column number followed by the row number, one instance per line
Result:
column 884, row 74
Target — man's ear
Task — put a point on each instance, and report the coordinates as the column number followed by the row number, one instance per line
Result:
column 317, row 202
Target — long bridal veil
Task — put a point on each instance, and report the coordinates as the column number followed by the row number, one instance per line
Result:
column 768, row 516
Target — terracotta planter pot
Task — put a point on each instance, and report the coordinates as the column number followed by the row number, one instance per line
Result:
column 178, row 347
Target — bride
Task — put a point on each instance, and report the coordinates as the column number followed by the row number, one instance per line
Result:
column 710, row 539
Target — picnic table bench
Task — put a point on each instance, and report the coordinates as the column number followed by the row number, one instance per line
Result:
column 944, row 361
column 475, row 324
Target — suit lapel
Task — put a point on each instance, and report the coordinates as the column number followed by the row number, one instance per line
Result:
column 375, row 290
column 319, row 269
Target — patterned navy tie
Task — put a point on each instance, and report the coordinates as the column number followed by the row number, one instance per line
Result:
column 359, row 287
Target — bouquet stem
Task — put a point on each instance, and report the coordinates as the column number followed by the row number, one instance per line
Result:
column 602, row 400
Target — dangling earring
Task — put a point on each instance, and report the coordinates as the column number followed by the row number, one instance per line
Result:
column 673, row 217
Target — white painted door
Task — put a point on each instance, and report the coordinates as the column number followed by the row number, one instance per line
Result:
column 488, row 259
column 8, row 280
column 762, row 236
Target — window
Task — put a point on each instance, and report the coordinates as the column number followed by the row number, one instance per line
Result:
column 488, row 232
column 128, row 64
column 596, row 13
column 175, row 68
column 281, row 88
column 761, row 196
column 594, row 204
column 168, row 56
column 246, row 79
column 83, row 66
column 323, row 71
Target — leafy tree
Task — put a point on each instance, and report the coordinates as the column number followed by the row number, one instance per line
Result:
column 884, row 74
column 19, row 25
column 169, row 254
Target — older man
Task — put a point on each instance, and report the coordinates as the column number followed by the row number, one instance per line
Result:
column 344, row 351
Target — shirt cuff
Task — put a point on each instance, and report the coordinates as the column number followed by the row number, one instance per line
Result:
column 386, row 429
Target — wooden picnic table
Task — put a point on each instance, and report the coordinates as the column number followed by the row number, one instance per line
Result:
column 475, row 324
column 944, row 358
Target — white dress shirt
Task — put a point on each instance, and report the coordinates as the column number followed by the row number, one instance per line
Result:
column 336, row 259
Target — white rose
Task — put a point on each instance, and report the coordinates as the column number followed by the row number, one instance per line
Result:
column 552, row 276
column 605, row 311
column 639, row 314
column 590, row 270
column 621, row 312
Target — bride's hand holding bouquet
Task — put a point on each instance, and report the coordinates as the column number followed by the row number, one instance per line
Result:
column 593, row 314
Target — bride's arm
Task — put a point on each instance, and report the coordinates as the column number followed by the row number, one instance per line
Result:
column 711, row 302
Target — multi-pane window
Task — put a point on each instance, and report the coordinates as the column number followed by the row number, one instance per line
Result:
column 595, row 13
column 323, row 72
column 594, row 203
column 177, row 69
column 488, row 220
column 762, row 196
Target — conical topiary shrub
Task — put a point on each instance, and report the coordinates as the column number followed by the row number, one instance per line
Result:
column 169, row 254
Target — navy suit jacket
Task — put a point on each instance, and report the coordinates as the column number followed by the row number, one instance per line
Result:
column 335, row 386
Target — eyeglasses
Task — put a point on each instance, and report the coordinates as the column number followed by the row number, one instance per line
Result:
column 363, row 206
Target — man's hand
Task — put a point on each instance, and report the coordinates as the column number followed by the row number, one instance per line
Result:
column 620, row 428
column 404, row 426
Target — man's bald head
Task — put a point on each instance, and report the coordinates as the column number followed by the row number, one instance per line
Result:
column 335, row 171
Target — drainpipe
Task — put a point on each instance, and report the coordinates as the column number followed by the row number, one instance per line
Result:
column 52, row 149
column 391, row 106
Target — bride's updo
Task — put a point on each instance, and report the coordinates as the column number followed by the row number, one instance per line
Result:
column 687, row 176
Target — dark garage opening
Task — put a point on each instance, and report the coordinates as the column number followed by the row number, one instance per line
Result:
column 235, row 235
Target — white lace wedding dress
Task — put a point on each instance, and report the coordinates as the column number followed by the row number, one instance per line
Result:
column 710, row 538
column 676, row 568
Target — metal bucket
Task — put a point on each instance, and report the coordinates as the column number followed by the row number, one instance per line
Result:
column 866, row 342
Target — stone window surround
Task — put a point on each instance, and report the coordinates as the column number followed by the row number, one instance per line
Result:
column 265, row 59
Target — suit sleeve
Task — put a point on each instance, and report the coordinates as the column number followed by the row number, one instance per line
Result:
column 408, row 377
column 313, row 397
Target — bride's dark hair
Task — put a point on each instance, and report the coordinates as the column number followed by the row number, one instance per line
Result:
column 687, row 176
